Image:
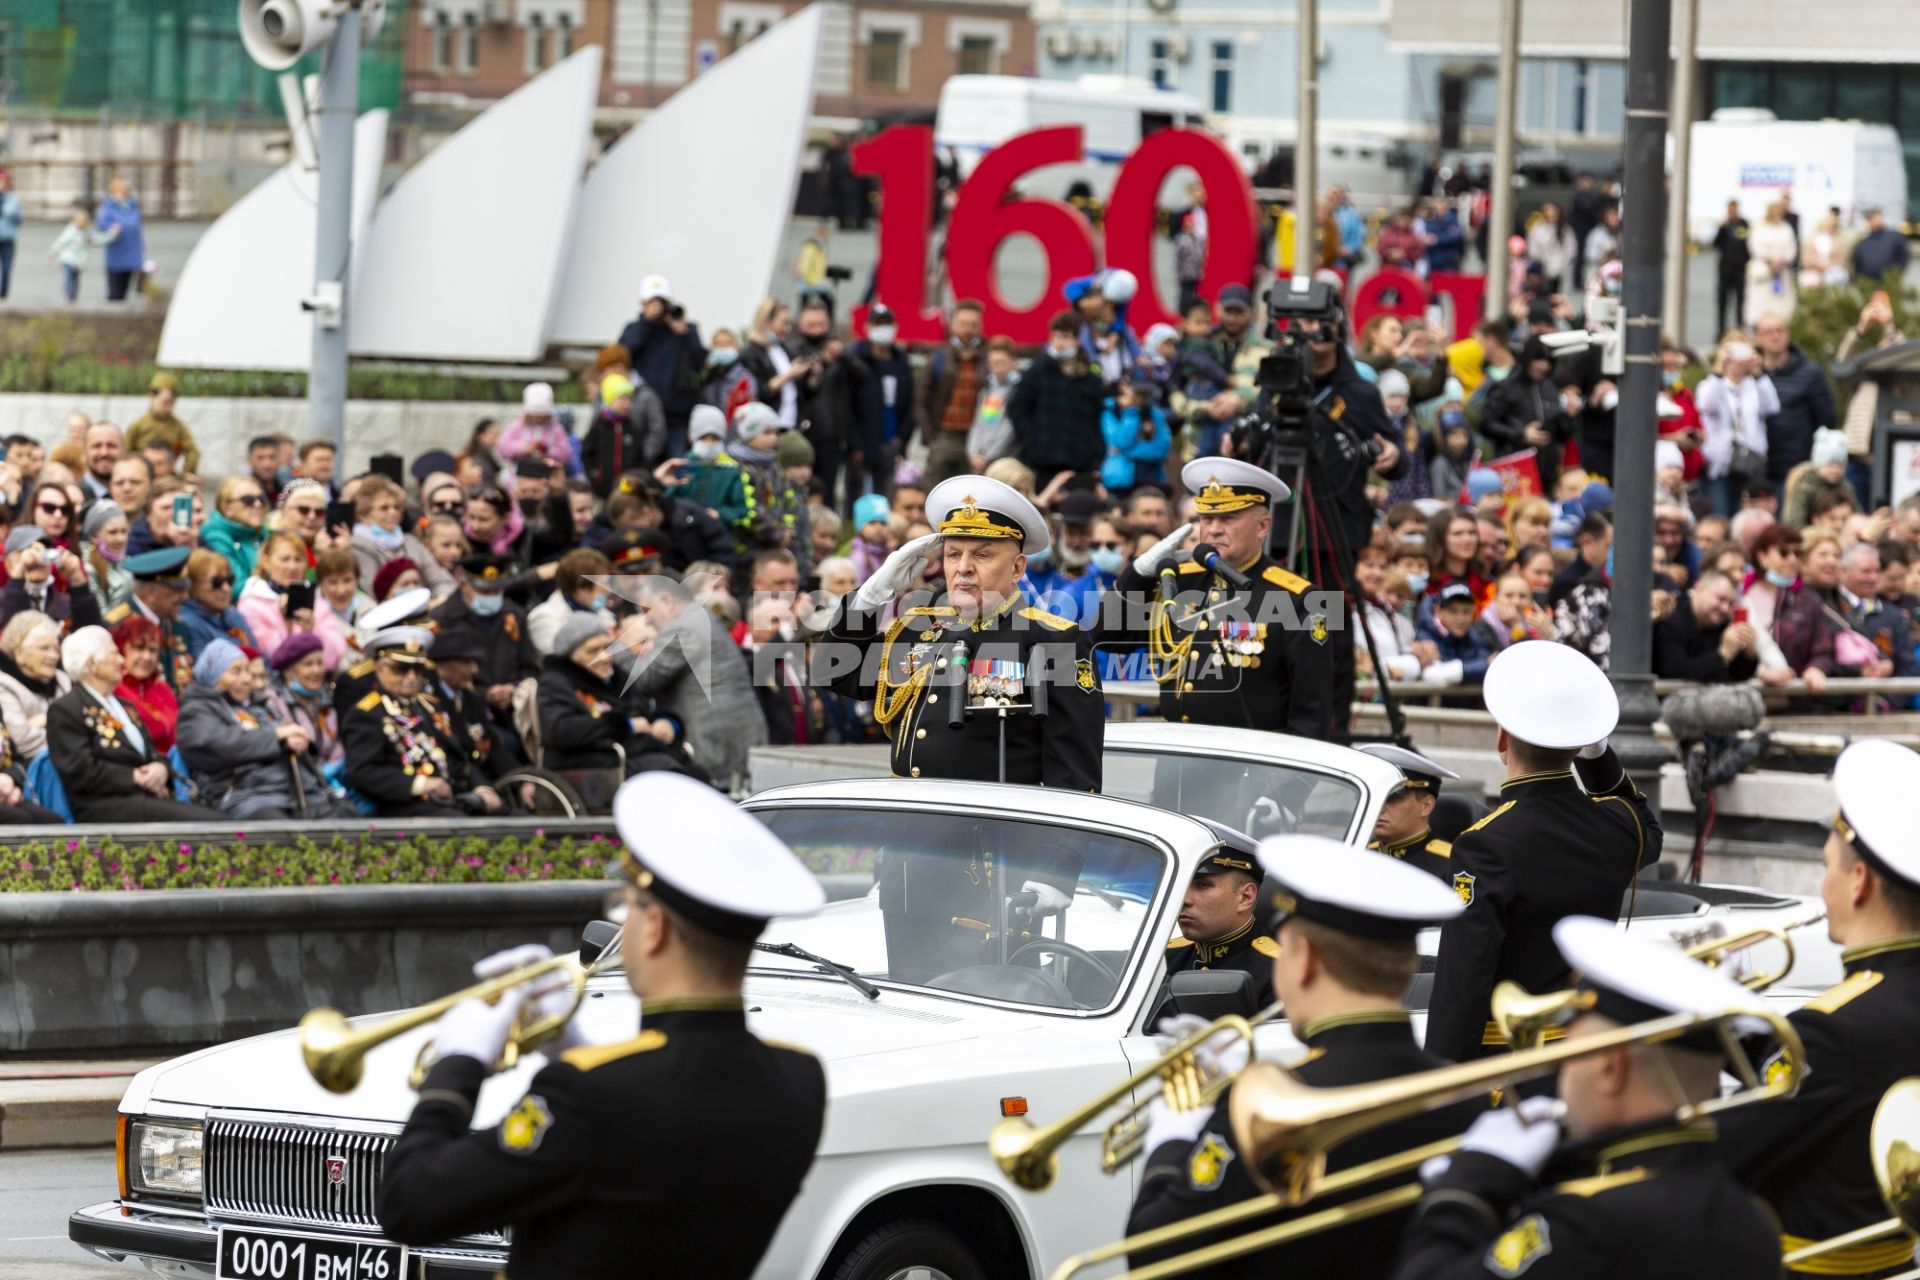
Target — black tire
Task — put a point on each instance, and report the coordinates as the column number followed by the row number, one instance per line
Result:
column 904, row 1246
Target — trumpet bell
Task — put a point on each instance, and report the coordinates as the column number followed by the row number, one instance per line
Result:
column 1273, row 1113
column 1895, row 1147
column 1016, row 1147
column 326, row 1044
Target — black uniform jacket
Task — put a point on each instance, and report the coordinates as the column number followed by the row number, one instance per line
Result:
column 507, row 655
column 91, row 749
column 1660, row 1204
column 917, row 655
column 1183, row 1179
column 489, row 755
column 1807, row 1155
column 1259, row 661
column 391, row 741
column 1549, row 850
column 1426, row 851
column 1246, row 949
column 675, row 1153
column 582, row 719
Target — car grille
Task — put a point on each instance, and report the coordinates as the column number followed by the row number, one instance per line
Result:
column 302, row 1175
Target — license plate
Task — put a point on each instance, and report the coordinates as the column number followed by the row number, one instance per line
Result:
column 284, row 1255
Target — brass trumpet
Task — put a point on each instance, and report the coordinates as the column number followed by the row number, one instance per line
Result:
column 1895, row 1151
column 1713, row 952
column 1027, row 1153
column 335, row 1050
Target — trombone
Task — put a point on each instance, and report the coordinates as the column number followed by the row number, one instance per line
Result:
column 1285, row 1129
column 1894, row 1149
column 1714, row 952
column 335, row 1051
column 1027, row 1153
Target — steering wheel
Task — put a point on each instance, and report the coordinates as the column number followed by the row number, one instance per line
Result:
column 1067, row 949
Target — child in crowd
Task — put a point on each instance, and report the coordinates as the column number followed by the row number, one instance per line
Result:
column 1669, row 474
column 1453, row 460
column 823, row 532
column 1464, row 652
column 1201, row 374
column 991, row 437
column 873, row 537
column 1137, row 440
column 707, row 477
column 1396, row 393
column 1159, row 351
column 71, row 250
column 535, row 433
column 338, row 575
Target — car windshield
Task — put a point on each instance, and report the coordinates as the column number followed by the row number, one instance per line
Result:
column 1020, row 911
column 1257, row 797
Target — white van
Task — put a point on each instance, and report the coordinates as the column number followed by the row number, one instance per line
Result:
column 1745, row 154
column 978, row 113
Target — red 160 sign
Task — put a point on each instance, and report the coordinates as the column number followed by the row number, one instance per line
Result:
column 988, row 212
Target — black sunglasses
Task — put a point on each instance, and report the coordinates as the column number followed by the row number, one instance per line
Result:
column 447, row 508
column 55, row 508
column 220, row 581
column 251, row 500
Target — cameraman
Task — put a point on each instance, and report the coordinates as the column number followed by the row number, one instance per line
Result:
column 668, row 356
column 828, row 380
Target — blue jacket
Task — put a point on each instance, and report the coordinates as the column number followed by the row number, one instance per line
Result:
column 1352, row 228
column 199, row 626
column 1132, row 459
column 128, row 250
column 1449, row 244
column 877, row 427
column 1472, row 650
column 10, row 214
column 668, row 362
column 1077, row 287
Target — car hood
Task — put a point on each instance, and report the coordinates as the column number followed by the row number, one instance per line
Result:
column 833, row 1021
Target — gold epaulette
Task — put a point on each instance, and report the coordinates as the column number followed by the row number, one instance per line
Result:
column 369, row 702
column 1045, row 619
column 1178, row 943
column 1266, row 946
column 119, row 613
column 1834, row 998
column 587, row 1057
column 362, row 668
column 1284, row 578
column 1489, row 818
column 1440, row 848
column 1585, row 1187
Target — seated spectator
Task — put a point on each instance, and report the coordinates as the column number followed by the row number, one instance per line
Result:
column 496, row 625
column 249, row 763
column 104, row 532
column 716, row 708
column 43, row 578
column 100, row 750
column 1779, row 604
column 207, row 613
column 238, row 524
column 583, row 722
column 493, row 750
column 378, row 507
column 1700, row 641
column 1512, row 615
column 303, row 513
column 575, row 592
column 144, row 685
column 1887, row 625
column 396, row 575
column 278, row 601
column 30, row 679
column 1464, row 650
column 400, row 750
column 300, row 691
column 447, row 544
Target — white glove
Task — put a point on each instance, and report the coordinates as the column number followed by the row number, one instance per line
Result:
column 549, row 995
column 1223, row 1054
column 1148, row 562
column 1403, row 666
column 1165, row 1125
column 512, row 958
column 1523, row 1136
column 1593, row 752
column 1048, row 897
column 900, row 571
column 478, row 1030
column 1447, row 672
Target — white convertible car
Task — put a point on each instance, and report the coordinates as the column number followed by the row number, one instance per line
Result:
column 963, row 1012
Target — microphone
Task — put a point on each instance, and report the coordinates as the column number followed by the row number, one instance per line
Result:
column 1210, row 558
column 957, row 692
column 1169, row 580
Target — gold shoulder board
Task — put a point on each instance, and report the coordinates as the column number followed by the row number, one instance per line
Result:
column 1045, row 619
column 1266, row 946
column 1440, row 848
column 361, row 668
column 1833, row 998
column 119, row 613
column 1178, row 943
column 1584, row 1187
column 1188, row 566
column 1282, row 578
column 587, row 1057
column 369, row 702
column 931, row 611
column 1489, row 818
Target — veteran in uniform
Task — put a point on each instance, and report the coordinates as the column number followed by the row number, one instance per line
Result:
column 1808, row 1154
column 401, row 750
column 1652, row 1198
column 496, row 625
column 159, row 588
column 1345, row 923
column 1238, row 643
column 674, row 1152
column 403, row 608
column 1555, row 846
column 984, row 645
column 1219, row 923
column 1404, row 829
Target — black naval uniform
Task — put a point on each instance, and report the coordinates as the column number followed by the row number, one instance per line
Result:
column 1261, row 662
column 1246, row 949
column 1660, row 1204
column 919, row 678
column 1807, row 1155
column 1425, row 851
column 1549, row 850
column 391, row 742
column 673, row 1153
column 1184, row 1179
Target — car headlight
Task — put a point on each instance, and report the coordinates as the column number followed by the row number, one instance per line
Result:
column 164, row 1158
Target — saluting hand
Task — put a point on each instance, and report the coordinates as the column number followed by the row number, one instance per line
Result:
column 900, row 571
column 1148, row 562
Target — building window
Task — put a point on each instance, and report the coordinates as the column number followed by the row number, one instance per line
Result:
column 470, row 43
column 1160, row 64
column 1223, row 75
column 886, row 59
column 563, row 38
column 536, row 42
column 442, row 37
column 977, row 55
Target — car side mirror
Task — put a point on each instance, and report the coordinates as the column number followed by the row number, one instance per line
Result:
column 596, row 938
column 1210, row 993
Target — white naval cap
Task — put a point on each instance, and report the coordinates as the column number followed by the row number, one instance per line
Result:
column 1636, row 979
column 396, row 609
column 975, row 507
column 1549, row 695
column 1220, row 485
column 1353, row 890
column 707, row 858
column 1875, row 782
column 1421, row 774
column 402, row 644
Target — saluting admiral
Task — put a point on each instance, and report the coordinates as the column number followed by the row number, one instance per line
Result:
column 1219, row 923
column 1237, row 641
column 1345, row 923
column 1557, row 845
column 401, row 749
column 1808, row 1154
column 674, row 1151
column 1404, row 829
column 983, row 646
column 1653, row 1198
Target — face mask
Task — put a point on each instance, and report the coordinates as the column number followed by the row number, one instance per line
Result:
column 1781, row 580
column 1497, row 374
column 1450, row 418
column 721, row 357
column 882, row 336
column 1109, row 559
column 599, row 601
column 706, row 450
column 111, row 557
column 1670, row 379
column 1063, row 353
column 301, row 691
column 487, row 603
column 1416, row 582
column 1040, row 558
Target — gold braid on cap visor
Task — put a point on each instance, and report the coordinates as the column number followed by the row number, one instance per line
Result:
column 969, row 520
column 1217, row 498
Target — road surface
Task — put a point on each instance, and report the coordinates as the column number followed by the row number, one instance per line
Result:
column 40, row 1189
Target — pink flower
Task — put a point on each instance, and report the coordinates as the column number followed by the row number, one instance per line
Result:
column 185, row 847
column 72, row 845
column 239, row 835
column 180, row 865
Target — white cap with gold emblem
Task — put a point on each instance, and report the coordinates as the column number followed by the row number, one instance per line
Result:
column 1352, row 890
column 976, row 507
column 1551, row 696
column 1220, row 485
column 1875, row 781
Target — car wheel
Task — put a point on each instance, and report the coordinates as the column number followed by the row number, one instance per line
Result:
column 911, row 1249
